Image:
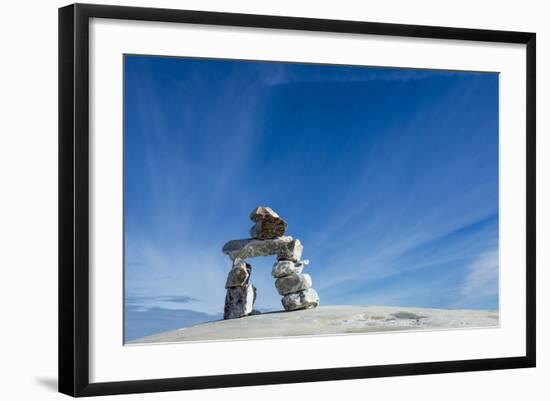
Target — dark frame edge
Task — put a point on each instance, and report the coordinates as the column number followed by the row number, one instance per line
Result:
column 66, row 306
column 301, row 23
column 302, row 376
column 73, row 358
column 531, row 199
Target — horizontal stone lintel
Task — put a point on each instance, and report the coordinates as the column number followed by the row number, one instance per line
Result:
column 248, row 248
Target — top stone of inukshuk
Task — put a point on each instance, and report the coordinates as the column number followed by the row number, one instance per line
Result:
column 268, row 224
column 267, row 239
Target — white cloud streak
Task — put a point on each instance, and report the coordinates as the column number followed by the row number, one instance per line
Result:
column 482, row 279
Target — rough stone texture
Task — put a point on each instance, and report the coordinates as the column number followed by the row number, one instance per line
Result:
column 330, row 320
column 291, row 251
column 293, row 283
column 241, row 249
column 286, row 267
column 268, row 229
column 238, row 276
column 240, row 263
column 239, row 301
column 263, row 213
column 301, row 300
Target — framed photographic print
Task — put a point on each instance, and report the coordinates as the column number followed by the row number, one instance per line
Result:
column 251, row 199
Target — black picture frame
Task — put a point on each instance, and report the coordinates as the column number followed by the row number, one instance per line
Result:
column 74, row 198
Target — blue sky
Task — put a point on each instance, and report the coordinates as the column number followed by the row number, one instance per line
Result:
column 389, row 177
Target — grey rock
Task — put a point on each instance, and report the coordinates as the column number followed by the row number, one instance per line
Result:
column 291, row 251
column 301, row 300
column 239, row 301
column 286, row 267
column 239, row 263
column 263, row 213
column 293, row 283
column 268, row 229
column 239, row 275
column 235, row 245
column 248, row 248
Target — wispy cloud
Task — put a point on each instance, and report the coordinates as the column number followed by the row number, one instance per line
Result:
column 183, row 299
column 282, row 73
column 481, row 281
column 174, row 273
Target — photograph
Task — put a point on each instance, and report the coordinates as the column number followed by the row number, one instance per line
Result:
column 276, row 199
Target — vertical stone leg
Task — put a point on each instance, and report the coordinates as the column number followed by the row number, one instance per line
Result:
column 291, row 282
column 240, row 297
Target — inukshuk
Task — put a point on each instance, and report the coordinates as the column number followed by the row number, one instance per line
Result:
column 267, row 239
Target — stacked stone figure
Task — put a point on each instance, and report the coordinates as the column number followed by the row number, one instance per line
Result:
column 267, row 239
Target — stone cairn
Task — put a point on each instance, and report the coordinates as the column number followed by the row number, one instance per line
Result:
column 267, row 239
